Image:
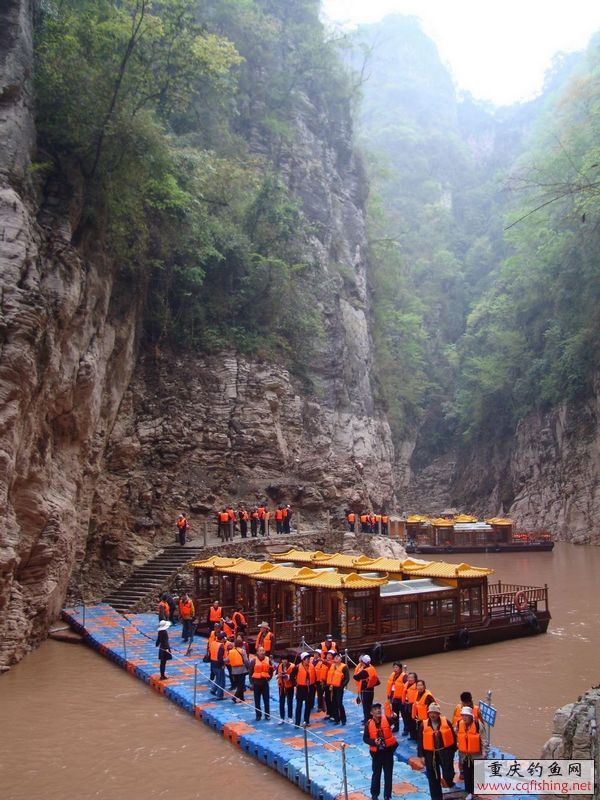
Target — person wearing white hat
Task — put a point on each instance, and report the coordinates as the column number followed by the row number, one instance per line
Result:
column 437, row 742
column 469, row 747
column 366, row 679
column 164, row 647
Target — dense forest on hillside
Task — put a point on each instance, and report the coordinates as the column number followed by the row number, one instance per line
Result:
column 181, row 127
column 485, row 231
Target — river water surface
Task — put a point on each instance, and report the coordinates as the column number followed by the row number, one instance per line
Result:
column 75, row 727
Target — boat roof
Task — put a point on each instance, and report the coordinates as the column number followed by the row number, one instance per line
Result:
column 417, row 586
column 303, row 576
column 362, row 563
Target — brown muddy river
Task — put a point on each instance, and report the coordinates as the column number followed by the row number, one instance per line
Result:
column 77, row 727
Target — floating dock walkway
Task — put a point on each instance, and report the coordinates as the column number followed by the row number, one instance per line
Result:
column 130, row 643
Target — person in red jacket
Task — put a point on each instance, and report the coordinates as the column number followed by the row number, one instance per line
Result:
column 382, row 745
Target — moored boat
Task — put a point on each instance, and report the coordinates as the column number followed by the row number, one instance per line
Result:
column 387, row 607
column 465, row 534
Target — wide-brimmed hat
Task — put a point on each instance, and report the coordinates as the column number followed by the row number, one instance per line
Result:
column 365, row 659
column 466, row 710
column 304, row 655
column 264, row 625
column 164, row 624
column 434, row 707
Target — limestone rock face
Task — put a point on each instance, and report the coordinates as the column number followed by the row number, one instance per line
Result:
column 65, row 361
column 547, row 476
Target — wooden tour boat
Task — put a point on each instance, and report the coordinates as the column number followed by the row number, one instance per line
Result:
column 465, row 534
column 386, row 607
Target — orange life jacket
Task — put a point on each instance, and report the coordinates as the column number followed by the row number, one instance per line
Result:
column 265, row 639
column 410, row 694
column 261, row 512
column 384, row 730
column 419, row 708
column 227, row 629
column 377, row 518
column 456, row 717
column 238, row 619
column 244, row 516
column 230, row 513
column 223, row 516
column 286, row 512
column 181, row 523
column 279, row 514
column 335, row 676
column 214, row 648
column 394, row 686
column 364, row 518
column 283, row 676
column 385, row 519
column 372, row 680
column 254, row 515
column 236, row 658
column 469, row 741
column 306, row 677
column 428, row 734
column 216, row 614
column 165, row 608
column 261, row 669
column 351, row 517
column 326, row 646
column 186, row 609
column 321, row 670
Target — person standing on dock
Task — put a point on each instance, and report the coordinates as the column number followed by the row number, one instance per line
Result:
column 162, row 608
column 182, row 529
column 367, row 679
column 164, row 646
column 254, row 517
column 395, row 691
column 262, row 518
column 384, row 523
column 409, row 697
column 469, row 748
column 437, row 742
column 420, row 707
column 285, row 685
column 238, row 663
column 217, row 665
column 305, row 678
column 337, row 680
column 466, row 699
column 261, row 672
column 186, row 614
column 215, row 615
column 264, row 638
column 382, row 745
column 239, row 621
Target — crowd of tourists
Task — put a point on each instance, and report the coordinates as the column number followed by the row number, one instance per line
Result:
column 257, row 520
column 317, row 679
column 368, row 522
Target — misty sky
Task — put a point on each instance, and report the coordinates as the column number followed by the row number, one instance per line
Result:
column 496, row 50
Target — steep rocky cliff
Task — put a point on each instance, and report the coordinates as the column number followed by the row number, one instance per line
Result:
column 548, row 475
column 101, row 445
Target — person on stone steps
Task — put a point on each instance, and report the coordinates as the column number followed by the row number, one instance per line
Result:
column 164, row 646
column 182, row 529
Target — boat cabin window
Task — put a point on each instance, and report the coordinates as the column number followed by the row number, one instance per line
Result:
column 470, row 603
column 437, row 613
column 398, row 617
column 262, row 597
column 227, row 587
column 361, row 616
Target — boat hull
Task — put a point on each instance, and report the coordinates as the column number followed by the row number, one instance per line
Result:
column 513, row 547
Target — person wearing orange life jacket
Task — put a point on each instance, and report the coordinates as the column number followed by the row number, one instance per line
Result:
column 420, row 705
column 182, row 529
column 239, row 621
column 217, row 662
column 223, row 524
column 305, row 677
column 243, row 517
column 410, row 695
column 338, row 678
column 466, row 699
column 394, row 691
column 382, row 745
column 214, row 615
column 287, row 519
column 279, row 519
column 186, row 614
column 468, row 739
column 265, row 638
column 437, row 742
column 376, row 523
column 327, row 645
column 254, row 519
column 384, row 523
column 262, row 518
column 239, row 664
column 367, row 679
column 364, row 522
column 163, row 608
column 285, row 685
column 322, row 666
column 228, row 628
column 261, row 672
column 351, row 519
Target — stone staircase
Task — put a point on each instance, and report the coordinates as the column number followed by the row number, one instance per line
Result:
column 145, row 583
